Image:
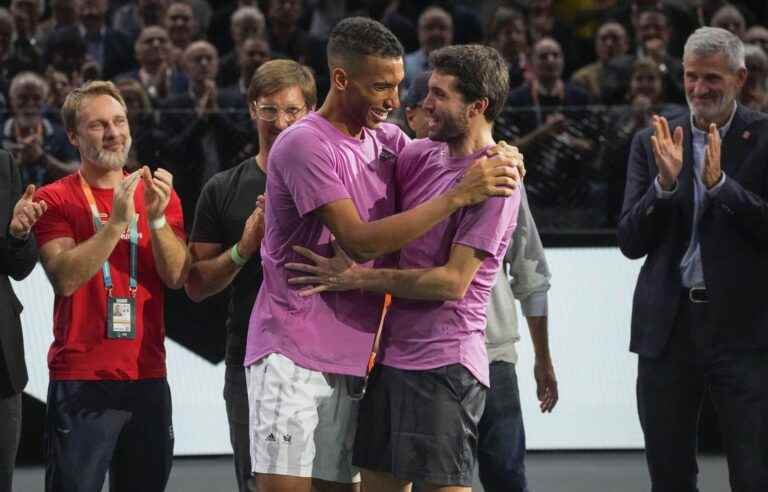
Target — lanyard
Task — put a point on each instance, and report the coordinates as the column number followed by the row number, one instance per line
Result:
column 134, row 240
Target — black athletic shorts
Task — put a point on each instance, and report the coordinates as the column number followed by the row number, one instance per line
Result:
column 421, row 425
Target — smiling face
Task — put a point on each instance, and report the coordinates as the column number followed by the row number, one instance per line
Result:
column 711, row 86
column 103, row 135
column 447, row 113
column 275, row 112
column 370, row 93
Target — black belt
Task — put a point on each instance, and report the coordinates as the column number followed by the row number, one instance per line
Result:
column 696, row 295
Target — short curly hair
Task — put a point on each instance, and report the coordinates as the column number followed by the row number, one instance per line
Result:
column 356, row 37
column 480, row 72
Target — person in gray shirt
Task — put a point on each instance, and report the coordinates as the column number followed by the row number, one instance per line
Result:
column 501, row 451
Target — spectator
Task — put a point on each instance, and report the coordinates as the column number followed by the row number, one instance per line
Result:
column 220, row 30
column 11, row 61
column 65, row 51
column 159, row 78
column 645, row 98
column 251, row 54
column 435, row 31
column 415, row 116
column 38, row 145
column 653, row 34
column 148, row 138
column 731, row 19
column 26, row 48
column 758, row 35
column 611, row 41
column 133, row 18
column 182, row 26
column 754, row 94
column 508, row 33
column 110, row 49
column 543, row 23
column 204, row 138
column 547, row 119
column 284, row 34
column 59, row 86
column 247, row 22
column 63, row 13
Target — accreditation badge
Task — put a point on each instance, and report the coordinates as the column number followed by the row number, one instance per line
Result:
column 121, row 318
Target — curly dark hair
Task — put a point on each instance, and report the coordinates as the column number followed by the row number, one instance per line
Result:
column 480, row 72
column 356, row 37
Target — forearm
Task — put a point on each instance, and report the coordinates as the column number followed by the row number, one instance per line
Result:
column 368, row 240
column 211, row 276
column 537, row 326
column 172, row 259
column 72, row 268
column 429, row 284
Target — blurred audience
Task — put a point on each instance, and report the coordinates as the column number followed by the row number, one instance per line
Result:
column 39, row 146
column 611, row 41
column 435, row 31
column 508, row 33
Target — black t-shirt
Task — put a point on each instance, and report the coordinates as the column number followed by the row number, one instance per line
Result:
column 226, row 202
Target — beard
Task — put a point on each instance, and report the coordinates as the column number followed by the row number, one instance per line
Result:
column 450, row 127
column 107, row 159
column 712, row 109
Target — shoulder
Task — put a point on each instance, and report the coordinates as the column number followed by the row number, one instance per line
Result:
column 420, row 148
column 575, row 93
column 304, row 136
column 60, row 191
column 391, row 136
column 522, row 93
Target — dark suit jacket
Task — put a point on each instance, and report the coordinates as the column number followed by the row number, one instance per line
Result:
column 733, row 234
column 17, row 259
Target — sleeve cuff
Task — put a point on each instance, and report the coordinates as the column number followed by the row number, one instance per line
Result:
column 535, row 304
column 660, row 193
column 715, row 189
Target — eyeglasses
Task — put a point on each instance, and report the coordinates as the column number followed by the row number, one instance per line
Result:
column 271, row 113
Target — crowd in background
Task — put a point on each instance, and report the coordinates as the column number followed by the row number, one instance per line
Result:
column 586, row 75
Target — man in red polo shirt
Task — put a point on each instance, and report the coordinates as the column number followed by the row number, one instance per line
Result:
column 110, row 244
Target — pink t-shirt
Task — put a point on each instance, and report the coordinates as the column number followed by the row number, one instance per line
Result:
column 311, row 164
column 429, row 334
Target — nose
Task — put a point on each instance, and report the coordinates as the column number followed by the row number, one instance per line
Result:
column 282, row 121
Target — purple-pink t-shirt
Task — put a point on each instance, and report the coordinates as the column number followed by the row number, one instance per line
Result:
column 312, row 164
column 428, row 334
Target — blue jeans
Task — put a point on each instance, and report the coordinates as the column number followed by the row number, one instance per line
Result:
column 501, row 450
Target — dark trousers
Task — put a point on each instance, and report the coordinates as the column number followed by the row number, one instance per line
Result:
column 501, row 450
column 236, row 399
column 670, row 390
column 121, row 426
column 10, row 433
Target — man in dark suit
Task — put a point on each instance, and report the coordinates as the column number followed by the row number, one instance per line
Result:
column 111, row 49
column 696, row 207
column 18, row 254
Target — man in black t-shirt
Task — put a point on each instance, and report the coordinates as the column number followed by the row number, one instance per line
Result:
column 229, row 226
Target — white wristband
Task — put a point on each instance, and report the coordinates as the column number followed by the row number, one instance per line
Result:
column 157, row 223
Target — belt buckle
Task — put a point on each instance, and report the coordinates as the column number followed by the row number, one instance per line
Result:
column 698, row 295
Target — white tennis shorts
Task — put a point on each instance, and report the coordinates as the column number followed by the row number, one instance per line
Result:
column 302, row 422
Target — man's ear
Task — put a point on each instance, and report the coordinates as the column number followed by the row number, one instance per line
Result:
column 339, row 78
column 478, row 107
column 72, row 137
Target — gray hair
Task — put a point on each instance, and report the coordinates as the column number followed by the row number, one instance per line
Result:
column 710, row 41
column 755, row 55
column 248, row 12
column 24, row 79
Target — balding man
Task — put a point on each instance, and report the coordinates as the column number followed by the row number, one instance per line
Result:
column 611, row 41
column 435, row 31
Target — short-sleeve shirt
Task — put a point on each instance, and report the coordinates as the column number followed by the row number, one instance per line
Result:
column 81, row 349
column 423, row 335
column 310, row 165
column 226, row 202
